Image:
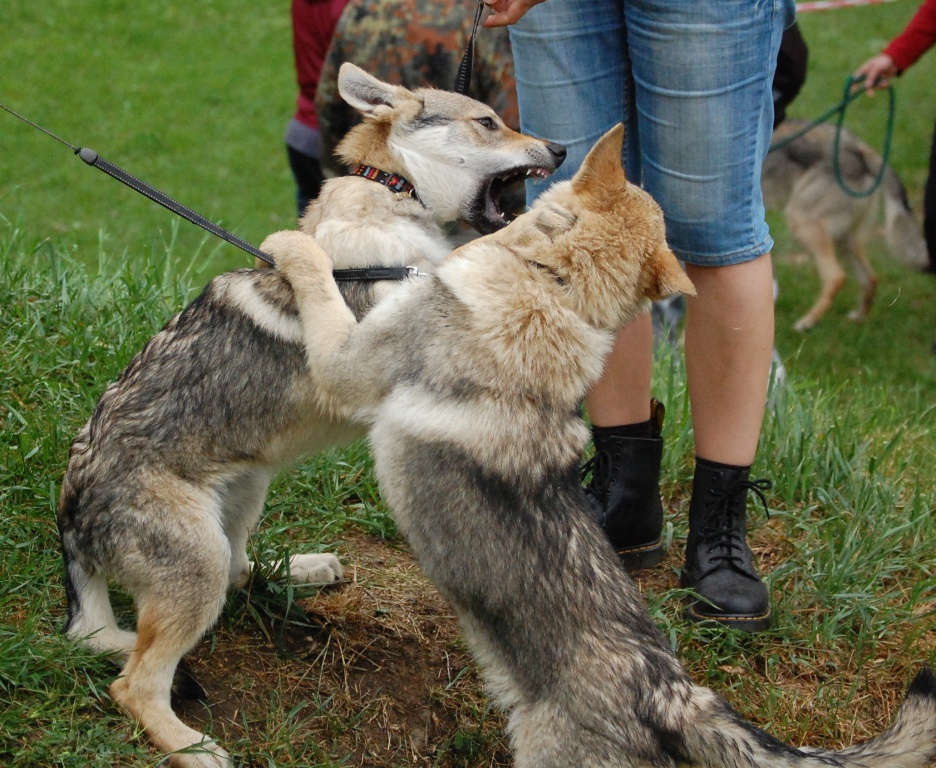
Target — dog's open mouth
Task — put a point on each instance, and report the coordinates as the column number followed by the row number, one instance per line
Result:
column 502, row 198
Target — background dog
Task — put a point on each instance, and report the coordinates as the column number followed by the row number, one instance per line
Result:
column 472, row 381
column 169, row 475
column 800, row 179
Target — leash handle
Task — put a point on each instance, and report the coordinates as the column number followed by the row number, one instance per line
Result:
column 463, row 76
column 92, row 158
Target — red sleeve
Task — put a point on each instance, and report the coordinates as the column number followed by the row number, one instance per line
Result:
column 313, row 25
column 916, row 39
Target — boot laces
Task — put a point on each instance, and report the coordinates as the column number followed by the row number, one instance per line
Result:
column 721, row 534
column 599, row 466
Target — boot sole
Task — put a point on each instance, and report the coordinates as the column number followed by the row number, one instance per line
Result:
column 745, row 622
column 641, row 558
column 749, row 624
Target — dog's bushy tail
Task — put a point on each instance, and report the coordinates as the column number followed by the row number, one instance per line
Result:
column 901, row 230
column 720, row 737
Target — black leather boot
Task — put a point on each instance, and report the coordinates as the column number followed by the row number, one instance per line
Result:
column 719, row 564
column 624, row 492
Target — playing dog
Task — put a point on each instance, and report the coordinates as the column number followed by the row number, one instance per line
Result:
column 471, row 380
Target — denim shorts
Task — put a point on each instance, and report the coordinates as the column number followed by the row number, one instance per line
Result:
column 692, row 82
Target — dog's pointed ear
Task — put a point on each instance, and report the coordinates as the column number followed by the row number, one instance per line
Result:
column 368, row 95
column 602, row 165
column 663, row 276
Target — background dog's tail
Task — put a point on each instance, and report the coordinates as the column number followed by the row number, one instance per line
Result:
column 901, row 230
column 725, row 738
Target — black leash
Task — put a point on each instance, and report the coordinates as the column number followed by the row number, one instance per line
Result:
column 463, row 76
column 92, row 158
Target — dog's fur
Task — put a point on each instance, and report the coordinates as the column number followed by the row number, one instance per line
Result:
column 799, row 178
column 472, row 380
column 168, row 477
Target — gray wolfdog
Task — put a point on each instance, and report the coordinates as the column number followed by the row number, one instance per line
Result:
column 168, row 477
column 471, row 380
column 799, row 178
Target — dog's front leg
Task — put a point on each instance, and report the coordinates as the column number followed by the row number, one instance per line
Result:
column 326, row 319
column 327, row 323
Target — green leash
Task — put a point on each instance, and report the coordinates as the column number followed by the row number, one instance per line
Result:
column 847, row 98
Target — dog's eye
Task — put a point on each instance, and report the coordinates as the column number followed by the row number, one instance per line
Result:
column 487, row 122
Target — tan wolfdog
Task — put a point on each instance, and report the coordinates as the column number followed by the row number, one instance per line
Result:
column 799, row 178
column 471, row 382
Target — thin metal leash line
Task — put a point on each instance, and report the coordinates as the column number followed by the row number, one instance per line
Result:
column 39, row 127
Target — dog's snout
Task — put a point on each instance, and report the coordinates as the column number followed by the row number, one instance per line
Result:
column 558, row 151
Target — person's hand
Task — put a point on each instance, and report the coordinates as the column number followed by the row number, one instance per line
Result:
column 877, row 72
column 504, row 12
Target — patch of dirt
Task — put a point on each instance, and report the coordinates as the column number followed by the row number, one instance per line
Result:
column 373, row 672
column 374, row 666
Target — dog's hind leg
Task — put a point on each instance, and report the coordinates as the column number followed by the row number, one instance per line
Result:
column 90, row 615
column 853, row 248
column 178, row 600
column 242, row 502
column 91, row 618
column 817, row 240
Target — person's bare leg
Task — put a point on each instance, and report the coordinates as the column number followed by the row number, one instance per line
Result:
column 622, row 396
column 729, row 343
column 624, row 488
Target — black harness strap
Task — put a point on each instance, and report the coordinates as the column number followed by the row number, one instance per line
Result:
column 375, row 273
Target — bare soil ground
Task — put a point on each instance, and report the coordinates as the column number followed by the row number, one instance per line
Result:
column 373, row 673
column 375, row 666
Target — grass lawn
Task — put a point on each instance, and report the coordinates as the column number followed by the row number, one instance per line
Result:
column 193, row 99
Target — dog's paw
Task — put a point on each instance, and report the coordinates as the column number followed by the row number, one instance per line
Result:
column 315, row 569
column 206, row 754
column 553, row 220
column 296, row 252
column 804, row 324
